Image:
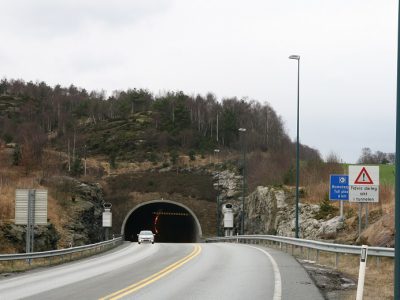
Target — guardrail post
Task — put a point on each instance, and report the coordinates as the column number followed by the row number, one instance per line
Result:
column 361, row 273
column 317, row 256
column 308, row 253
column 378, row 262
column 336, row 260
column 292, row 250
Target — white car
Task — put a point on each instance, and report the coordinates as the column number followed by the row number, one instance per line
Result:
column 145, row 236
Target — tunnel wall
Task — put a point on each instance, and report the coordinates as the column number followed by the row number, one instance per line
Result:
column 143, row 204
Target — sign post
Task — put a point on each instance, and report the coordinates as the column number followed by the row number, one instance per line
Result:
column 30, row 210
column 30, row 226
column 339, row 190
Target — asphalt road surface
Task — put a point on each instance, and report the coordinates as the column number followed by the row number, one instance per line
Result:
column 169, row 271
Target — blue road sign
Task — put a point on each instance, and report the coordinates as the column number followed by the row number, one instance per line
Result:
column 339, row 187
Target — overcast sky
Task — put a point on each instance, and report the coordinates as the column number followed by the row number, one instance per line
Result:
column 227, row 47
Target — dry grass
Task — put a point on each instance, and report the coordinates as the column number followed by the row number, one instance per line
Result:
column 315, row 193
column 379, row 274
column 10, row 180
column 14, row 177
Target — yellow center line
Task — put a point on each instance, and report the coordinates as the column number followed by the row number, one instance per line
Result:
column 136, row 286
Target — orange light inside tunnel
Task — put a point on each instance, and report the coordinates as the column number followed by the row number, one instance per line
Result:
column 170, row 213
column 155, row 223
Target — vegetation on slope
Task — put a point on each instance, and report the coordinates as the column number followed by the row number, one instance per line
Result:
column 135, row 125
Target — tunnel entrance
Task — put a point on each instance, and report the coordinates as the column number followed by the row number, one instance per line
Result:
column 171, row 222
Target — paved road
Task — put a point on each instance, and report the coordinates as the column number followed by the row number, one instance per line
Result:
column 169, row 271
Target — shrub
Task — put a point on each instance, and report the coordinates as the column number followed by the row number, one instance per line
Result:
column 192, row 155
column 174, row 157
column 289, row 177
column 77, row 167
column 113, row 158
column 17, row 155
column 153, row 157
column 7, row 138
column 326, row 208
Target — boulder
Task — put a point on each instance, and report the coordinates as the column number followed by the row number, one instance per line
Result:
column 380, row 234
column 329, row 229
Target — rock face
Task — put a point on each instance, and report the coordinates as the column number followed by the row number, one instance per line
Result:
column 81, row 214
column 271, row 210
column 84, row 209
column 381, row 233
column 229, row 187
column 228, row 184
column 46, row 237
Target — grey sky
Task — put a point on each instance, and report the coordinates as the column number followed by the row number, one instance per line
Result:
column 229, row 48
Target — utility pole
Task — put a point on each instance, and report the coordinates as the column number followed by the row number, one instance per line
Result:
column 217, row 152
column 297, row 57
column 397, row 177
column 243, row 130
column 84, row 147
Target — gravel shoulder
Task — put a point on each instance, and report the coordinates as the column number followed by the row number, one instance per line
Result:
column 332, row 283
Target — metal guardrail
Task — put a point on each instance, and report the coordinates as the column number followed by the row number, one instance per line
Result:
column 317, row 245
column 53, row 253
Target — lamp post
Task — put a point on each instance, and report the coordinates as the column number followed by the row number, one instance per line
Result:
column 243, row 130
column 397, row 176
column 217, row 151
column 297, row 57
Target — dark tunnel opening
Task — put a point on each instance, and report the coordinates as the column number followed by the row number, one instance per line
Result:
column 169, row 222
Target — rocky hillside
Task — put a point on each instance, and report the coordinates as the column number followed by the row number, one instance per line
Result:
column 271, row 210
column 76, row 220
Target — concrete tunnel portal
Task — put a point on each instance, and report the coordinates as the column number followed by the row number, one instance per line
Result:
column 172, row 222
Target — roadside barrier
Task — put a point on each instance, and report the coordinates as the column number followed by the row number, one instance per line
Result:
column 24, row 261
column 304, row 249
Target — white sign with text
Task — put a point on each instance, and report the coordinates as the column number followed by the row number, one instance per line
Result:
column 364, row 183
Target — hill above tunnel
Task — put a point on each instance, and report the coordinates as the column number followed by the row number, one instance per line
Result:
column 191, row 214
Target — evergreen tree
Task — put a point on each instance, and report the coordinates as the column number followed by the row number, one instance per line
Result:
column 17, row 155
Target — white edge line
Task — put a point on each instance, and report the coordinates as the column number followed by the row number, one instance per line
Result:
column 277, row 275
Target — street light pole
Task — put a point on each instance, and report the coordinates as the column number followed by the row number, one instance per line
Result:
column 243, row 130
column 397, row 176
column 297, row 57
column 217, row 151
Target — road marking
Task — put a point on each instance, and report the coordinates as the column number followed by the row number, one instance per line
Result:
column 277, row 275
column 141, row 284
